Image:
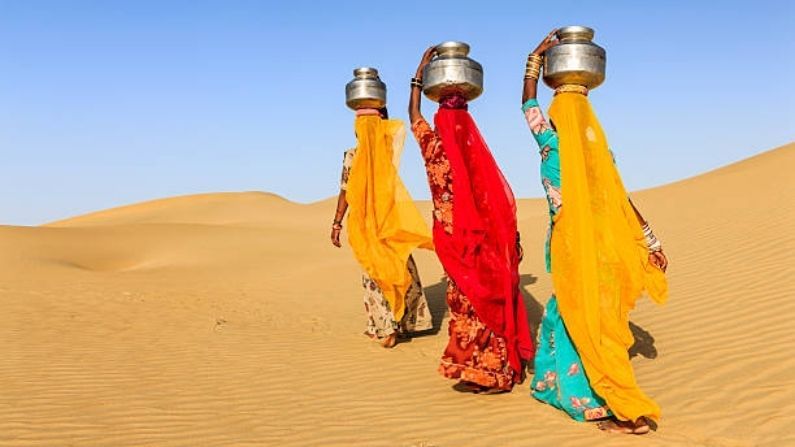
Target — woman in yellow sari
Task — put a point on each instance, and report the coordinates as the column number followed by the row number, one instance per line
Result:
column 602, row 255
column 384, row 227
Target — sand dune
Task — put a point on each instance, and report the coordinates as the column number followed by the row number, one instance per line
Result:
column 228, row 319
column 210, row 209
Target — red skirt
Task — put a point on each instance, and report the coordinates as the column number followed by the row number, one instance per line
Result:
column 474, row 353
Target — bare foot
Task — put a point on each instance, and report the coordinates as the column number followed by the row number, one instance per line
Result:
column 390, row 341
column 614, row 426
column 369, row 335
column 639, row 427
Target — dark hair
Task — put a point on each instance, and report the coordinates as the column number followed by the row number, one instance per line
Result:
column 384, row 113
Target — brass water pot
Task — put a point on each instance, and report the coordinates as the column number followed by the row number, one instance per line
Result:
column 452, row 71
column 366, row 90
column 575, row 60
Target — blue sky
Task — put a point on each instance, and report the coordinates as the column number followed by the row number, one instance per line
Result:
column 109, row 103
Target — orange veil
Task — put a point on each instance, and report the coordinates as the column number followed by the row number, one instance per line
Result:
column 600, row 260
column 384, row 224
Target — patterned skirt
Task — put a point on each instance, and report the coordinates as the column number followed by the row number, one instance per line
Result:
column 559, row 377
column 381, row 321
column 474, row 353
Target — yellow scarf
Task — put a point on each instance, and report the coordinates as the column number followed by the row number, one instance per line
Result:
column 384, row 224
column 600, row 260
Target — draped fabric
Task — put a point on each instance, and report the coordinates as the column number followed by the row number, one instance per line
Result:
column 480, row 254
column 600, row 260
column 384, row 225
column 559, row 378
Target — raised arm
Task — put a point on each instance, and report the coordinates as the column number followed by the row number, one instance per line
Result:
column 416, row 86
column 531, row 78
column 544, row 135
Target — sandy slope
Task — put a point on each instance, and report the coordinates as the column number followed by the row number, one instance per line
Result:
column 228, row 319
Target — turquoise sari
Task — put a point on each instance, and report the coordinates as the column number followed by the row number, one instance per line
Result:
column 559, row 378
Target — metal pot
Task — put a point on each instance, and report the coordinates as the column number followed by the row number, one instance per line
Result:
column 575, row 60
column 366, row 90
column 452, row 72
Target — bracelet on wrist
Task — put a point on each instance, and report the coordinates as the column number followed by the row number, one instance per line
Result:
column 532, row 74
column 652, row 243
column 533, row 67
column 535, row 58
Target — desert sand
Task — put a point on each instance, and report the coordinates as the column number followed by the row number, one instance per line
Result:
column 230, row 320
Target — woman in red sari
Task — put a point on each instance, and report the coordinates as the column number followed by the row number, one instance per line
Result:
column 474, row 231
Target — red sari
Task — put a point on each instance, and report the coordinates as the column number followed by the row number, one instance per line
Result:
column 475, row 237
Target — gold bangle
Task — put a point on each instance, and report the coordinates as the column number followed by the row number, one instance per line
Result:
column 535, row 57
column 533, row 70
column 532, row 67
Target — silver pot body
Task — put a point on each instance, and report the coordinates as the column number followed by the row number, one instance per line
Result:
column 366, row 90
column 575, row 60
column 452, row 72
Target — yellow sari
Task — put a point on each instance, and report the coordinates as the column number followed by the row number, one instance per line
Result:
column 600, row 260
column 384, row 224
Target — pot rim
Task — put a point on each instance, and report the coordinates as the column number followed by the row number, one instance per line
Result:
column 454, row 47
column 365, row 73
column 575, row 31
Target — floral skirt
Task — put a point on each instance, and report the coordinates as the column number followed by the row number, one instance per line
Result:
column 474, row 353
column 380, row 319
column 559, row 377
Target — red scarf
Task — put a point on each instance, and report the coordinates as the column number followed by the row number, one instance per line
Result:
column 480, row 255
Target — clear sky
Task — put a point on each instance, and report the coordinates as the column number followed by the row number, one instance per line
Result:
column 105, row 103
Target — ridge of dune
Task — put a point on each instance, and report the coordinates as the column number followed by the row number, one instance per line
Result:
column 258, row 207
column 208, row 208
column 229, row 319
column 774, row 162
column 776, row 158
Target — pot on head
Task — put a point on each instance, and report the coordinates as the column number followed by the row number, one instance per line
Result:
column 366, row 90
column 452, row 72
column 575, row 60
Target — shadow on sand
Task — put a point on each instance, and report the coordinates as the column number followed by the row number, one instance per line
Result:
column 644, row 343
column 436, row 295
column 437, row 304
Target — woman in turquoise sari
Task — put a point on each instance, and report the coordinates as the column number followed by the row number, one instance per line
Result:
column 560, row 379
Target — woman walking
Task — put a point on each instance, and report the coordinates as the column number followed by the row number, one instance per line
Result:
column 384, row 227
column 477, row 243
column 602, row 256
